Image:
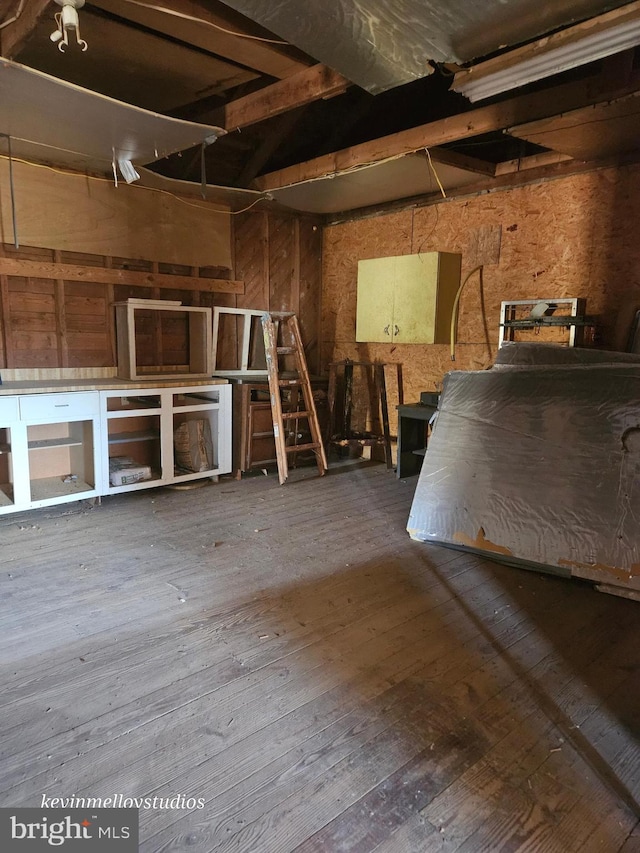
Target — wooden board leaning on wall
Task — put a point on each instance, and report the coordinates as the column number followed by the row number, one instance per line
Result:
column 79, row 213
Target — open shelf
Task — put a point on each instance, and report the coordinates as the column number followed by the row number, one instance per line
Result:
column 44, row 443
column 134, row 403
column 55, row 487
column 61, row 459
column 137, row 435
column 194, row 400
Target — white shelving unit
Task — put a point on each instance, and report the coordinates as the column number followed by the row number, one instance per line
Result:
column 55, row 448
column 14, row 491
column 139, row 424
column 49, row 449
column 132, row 427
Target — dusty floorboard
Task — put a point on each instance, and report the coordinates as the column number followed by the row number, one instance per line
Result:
column 325, row 684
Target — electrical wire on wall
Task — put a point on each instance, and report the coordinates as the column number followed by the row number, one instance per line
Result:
column 456, row 304
column 433, row 169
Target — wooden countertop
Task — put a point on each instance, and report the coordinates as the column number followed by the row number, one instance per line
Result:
column 48, row 386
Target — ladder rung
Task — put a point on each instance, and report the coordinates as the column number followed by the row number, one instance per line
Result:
column 286, row 350
column 281, row 314
column 294, row 448
column 285, row 383
column 296, row 415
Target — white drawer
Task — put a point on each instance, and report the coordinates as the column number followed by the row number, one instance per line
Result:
column 8, row 410
column 59, row 407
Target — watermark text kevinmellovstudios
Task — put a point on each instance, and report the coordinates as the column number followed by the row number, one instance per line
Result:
column 119, row 801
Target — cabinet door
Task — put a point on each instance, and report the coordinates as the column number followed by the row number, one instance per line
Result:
column 374, row 312
column 407, row 299
column 414, row 298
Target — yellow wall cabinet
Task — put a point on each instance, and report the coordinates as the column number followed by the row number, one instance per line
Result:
column 407, row 299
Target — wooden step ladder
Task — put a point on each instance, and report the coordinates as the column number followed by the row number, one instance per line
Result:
column 279, row 327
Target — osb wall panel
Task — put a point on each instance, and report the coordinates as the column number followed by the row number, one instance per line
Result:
column 569, row 237
column 76, row 213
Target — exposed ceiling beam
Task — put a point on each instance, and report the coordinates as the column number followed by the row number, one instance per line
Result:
column 487, row 119
column 203, row 32
column 590, row 133
column 505, row 180
column 533, row 161
column 569, row 48
column 14, row 36
column 302, row 88
column 269, row 144
column 462, row 161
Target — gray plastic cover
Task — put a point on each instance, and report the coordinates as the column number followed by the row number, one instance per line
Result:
column 538, row 464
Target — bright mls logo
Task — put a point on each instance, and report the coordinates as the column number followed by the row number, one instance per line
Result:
column 80, row 830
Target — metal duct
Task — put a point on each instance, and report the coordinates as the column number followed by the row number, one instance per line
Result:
column 379, row 45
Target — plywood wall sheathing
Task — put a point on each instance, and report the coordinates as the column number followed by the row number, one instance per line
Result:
column 72, row 212
column 572, row 237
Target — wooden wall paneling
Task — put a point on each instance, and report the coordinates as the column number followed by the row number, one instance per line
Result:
column 295, row 273
column 61, row 318
column 70, row 296
column 282, row 269
column 251, row 257
column 251, row 247
column 310, row 288
column 157, row 338
column 281, row 263
column 7, row 336
column 33, row 322
column 111, row 314
column 83, row 259
column 194, row 272
column 87, row 311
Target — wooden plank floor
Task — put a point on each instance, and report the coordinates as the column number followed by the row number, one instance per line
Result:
column 321, row 682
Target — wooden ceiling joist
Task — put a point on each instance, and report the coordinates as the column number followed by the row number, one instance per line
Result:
column 462, row 161
column 494, row 117
column 590, row 133
column 14, row 36
column 302, row 88
column 195, row 23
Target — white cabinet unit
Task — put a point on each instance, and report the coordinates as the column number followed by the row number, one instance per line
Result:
column 62, row 447
column 49, row 449
column 14, row 491
column 139, row 428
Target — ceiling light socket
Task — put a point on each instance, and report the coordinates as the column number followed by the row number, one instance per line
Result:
column 67, row 20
